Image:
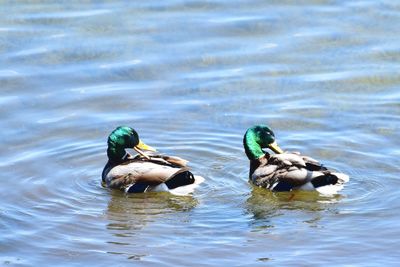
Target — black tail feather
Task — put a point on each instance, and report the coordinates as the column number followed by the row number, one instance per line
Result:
column 181, row 179
column 323, row 180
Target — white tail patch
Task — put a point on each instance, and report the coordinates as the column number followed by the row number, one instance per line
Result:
column 187, row 189
column 329, row 189
column 179, row 191
column 158, row 188
column 333, row 189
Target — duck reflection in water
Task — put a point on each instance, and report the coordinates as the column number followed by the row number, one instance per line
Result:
column 266, row 206
column 130, row 213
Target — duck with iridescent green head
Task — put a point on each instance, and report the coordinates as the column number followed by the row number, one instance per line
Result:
column 286, row 171
column 148, row 170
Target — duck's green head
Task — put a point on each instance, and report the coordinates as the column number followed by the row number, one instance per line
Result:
column 121, row 138
column 258, row 137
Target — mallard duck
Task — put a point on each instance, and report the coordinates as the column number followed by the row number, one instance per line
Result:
column 148, row 170
column 286, row 171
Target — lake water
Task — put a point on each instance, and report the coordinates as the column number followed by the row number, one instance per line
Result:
column 191, row 77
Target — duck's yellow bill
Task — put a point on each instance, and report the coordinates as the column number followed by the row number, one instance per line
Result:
column 143, row 146
column 274, row 147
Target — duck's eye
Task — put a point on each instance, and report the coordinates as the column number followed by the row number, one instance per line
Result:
column 133, row 140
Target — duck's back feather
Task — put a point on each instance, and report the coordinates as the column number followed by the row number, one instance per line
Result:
column 139, row 174
column 287, row 171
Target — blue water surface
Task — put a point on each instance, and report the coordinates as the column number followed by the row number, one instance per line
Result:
column 191, row 77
